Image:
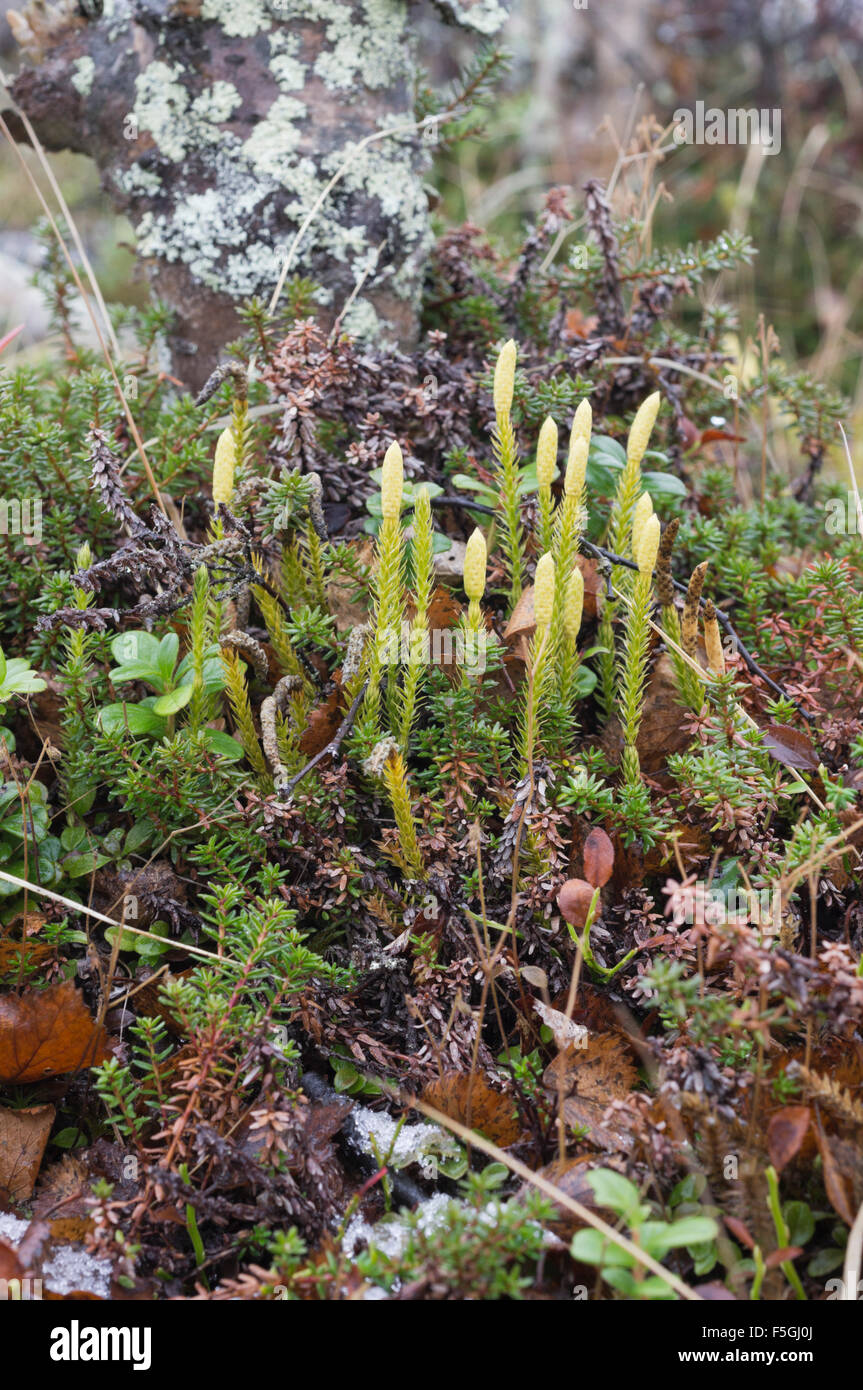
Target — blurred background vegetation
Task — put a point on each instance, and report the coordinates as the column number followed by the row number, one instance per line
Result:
column 579, row 81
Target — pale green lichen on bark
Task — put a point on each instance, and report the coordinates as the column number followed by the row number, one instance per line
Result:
column 241, row 19
column 289, row 71
column 177, row 121
column 234, row 234
column 83, row 75
column 361, row 321
column 276, row 137
column 367, row 47
column 486, row 16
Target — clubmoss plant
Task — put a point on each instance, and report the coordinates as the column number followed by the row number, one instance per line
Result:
column 546, row 463
column 570, row 523
column 423, row 567
column 276, row 626
column 78, row 786
column 474, row 571
column 619, row 537
column 395, row 775
column 633, row 661
column 543, row 609
column 642, row 512
column 568, row 661
column 620, row 525
column 238, row 698
column 315, row 540
column 388, row 606
column 224, row 467
column 200, row 638
column 506, row 454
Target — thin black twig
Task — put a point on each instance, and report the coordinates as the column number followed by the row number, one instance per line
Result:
column 287, row 789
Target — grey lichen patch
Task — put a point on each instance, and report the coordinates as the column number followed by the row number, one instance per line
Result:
column 361, row 321
column 386, row 172
column 485, row 16
column 202, row 227
column 274, row 139
column 83, row 75
column 286, row 67
column 256, row 268
column 231, row 209
column 139, row 182
column 241, row 19
column 365, row 45
column 177, row 121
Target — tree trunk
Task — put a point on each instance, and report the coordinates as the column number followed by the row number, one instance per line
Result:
column 216, row 124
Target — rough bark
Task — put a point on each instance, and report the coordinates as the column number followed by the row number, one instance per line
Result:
column 216, row 124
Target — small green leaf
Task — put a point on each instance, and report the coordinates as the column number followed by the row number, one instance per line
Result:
column 72, row 836
column 128, row 940
column 593, row 1248
column 800, row 1222
column 825, row 1262
column 174, row 700
column 140, row 647
column 166, row 658
column 661, row 1236
column 222, row 743
column 585, row 680
column 613, row 1190
column 77, row 865
column 70, row 1138
column 664, row 485
column 138, row 719
column 138, row 835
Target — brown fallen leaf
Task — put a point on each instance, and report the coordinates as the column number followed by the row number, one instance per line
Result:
column 323, row 722
column 149, row 1001
column 47, row 1032
column 23, row 1137
column 588, row 1116
column 598, row 857
column 786, row 1132
column 603, row 1071
column 64, row 1183
column 27, row 923
column 790, row 747
column 476, row 1105
column 693, row 844
column 71, row 1230
column 522, row 622
column 594, row 588
column 843, row 1178
column 15, row 955
column 589, row 1079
